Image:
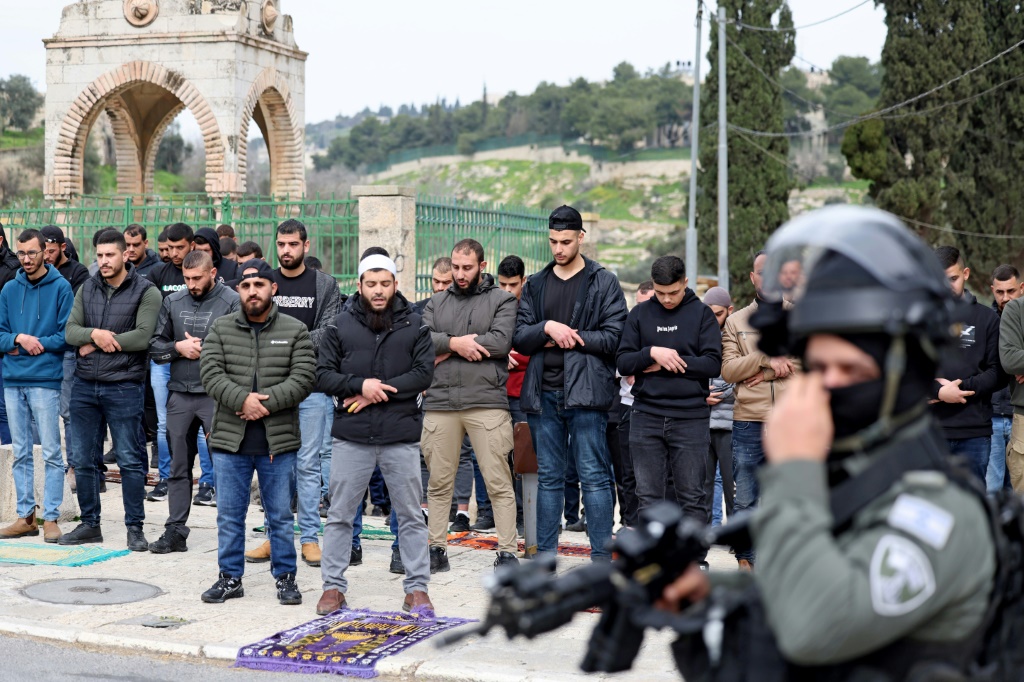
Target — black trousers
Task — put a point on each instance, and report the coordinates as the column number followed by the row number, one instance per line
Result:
column 186, row 412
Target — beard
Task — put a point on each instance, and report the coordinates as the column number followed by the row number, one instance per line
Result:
column 255, row 308
column 471, row 288
column 378, row 320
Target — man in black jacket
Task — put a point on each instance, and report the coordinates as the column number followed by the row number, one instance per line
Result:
column 168, row 278
column 55, row 253
column 185, row 318
column 673, row 346
column 208, row 241
column 569, row 322
column 970, row 374
column 111, row 322
column 375, row 361
column 9, row 267
column 140, row 255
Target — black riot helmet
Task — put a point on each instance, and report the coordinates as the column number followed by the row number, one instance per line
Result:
column 859, row 273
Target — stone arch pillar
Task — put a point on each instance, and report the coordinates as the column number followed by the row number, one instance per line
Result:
column 122, row 91
column 269, row 104
column 126, row 147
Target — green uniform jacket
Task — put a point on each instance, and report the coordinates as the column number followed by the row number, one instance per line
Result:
column 1011, row 349
column 918, row 562
column 285, row 369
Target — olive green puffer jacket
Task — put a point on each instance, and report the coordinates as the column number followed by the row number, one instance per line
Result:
column 285, row 369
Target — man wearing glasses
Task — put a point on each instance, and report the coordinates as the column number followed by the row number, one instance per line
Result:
column 34, row 309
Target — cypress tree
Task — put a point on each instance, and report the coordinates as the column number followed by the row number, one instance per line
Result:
column 759, row 184
column 929, row 42
column 985, row 179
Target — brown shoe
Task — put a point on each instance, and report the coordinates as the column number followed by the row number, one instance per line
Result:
column 745, row 565
column 71, row 479
column 51, row 531
column 330, row 601
column 311, row 553
column 260, row 555
column 21, row 528
column 416, row 599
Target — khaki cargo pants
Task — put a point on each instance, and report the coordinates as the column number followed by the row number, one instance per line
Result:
column 490, row 432
column 1015, row 454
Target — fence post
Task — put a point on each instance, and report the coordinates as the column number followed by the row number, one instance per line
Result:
column 128, row 217
column 387, row 218
column 591, row 223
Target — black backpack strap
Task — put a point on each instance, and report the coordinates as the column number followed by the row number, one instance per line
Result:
column 856, row 493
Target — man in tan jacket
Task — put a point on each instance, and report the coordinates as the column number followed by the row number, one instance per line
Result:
column 759, row 381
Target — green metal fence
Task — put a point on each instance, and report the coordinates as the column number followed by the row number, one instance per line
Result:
column 332, row 223
column 503, row 230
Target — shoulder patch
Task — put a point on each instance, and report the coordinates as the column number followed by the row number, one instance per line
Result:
column 901, row 576
column 922, row 519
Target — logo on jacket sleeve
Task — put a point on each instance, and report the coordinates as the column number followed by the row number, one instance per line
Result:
column 901, row 576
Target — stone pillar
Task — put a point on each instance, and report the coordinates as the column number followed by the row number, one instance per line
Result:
column 591, row 225
column 387, row 218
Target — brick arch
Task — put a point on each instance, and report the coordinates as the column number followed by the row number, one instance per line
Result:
column 148, row 172
column 74, row 130
column 283, row 136
column 126, row 147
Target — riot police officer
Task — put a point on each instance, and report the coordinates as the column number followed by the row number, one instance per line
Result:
column 876, row 558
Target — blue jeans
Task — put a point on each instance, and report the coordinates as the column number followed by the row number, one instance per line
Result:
column 119, row 404
column 276, row 478
column 325, row 452
column 747, row 458
column 65, row 401
column 159, row 375
column 975, row 451
column 551, row 431
column 206, row 477
column 5, row 431
column 42, row 404
column 716, row 501
column 312, row 422
column 996, row 476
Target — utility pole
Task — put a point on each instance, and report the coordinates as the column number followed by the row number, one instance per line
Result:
column 691, row 228
column 723, row 162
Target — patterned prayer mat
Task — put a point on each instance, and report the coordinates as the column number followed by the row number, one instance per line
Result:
column 152, row 478
column 15, row 552
column 346, row 642
column 490, row 542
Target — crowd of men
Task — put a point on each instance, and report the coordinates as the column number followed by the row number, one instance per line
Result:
column 324, row 396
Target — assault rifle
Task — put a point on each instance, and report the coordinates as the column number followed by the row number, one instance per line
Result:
column 530, row 600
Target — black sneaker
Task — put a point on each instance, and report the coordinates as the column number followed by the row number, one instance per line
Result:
column 159, row 492
column 226, row 587
column 103, row 484
column 453, row 512
column 439, row 560
column 396, row 562
column 521, row 529
column 170, row 541
column 357, row 556
column 505, row 559
column 325, row 506
column 287, row 591
column 81, row 535
column 461, row 524
column 579, row 526
column 136, row 540
column 154, row 456
column 110, row 457
column 205, row 497
column 483, row 522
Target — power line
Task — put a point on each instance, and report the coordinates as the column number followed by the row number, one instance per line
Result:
column 778, row 159
column 773, row 29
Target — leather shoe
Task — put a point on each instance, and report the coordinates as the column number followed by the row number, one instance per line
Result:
column 745, row 565
column 22, row 527
column 51, row 531
column 260, row 555
column 330, row 601
column 417, row 599
column 311, row 553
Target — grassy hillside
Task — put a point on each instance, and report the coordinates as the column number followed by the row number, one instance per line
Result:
column 166, row 183
column 15, row 139
column 551, row 184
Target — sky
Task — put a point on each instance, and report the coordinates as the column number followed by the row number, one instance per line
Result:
column 405, row 51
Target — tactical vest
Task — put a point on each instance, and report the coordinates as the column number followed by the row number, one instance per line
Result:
column 116, row 314
column 749, row 652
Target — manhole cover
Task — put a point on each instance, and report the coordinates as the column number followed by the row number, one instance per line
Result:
column 91, row 591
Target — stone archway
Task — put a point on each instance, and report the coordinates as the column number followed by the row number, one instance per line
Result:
column 141, row 99
column 269, row 104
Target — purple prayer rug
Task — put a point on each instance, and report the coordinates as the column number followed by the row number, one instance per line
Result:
column 346, row 642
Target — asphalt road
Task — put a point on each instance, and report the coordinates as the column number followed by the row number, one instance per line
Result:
column 28, row 659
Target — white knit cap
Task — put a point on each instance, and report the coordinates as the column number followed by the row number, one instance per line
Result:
column 378, row 261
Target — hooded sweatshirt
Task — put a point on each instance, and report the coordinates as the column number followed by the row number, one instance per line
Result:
column 976, row 363
column 40, row 309
column 227, row 270
column 692, row 331
column 148, row 262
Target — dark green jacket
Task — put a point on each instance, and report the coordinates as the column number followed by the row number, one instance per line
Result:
column 285, row 369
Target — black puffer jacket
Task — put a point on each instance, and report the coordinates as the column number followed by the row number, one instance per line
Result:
column 599, row 315
column 9, row 264
column 402, row 357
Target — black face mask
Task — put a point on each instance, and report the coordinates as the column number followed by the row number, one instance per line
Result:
column 856, row 407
